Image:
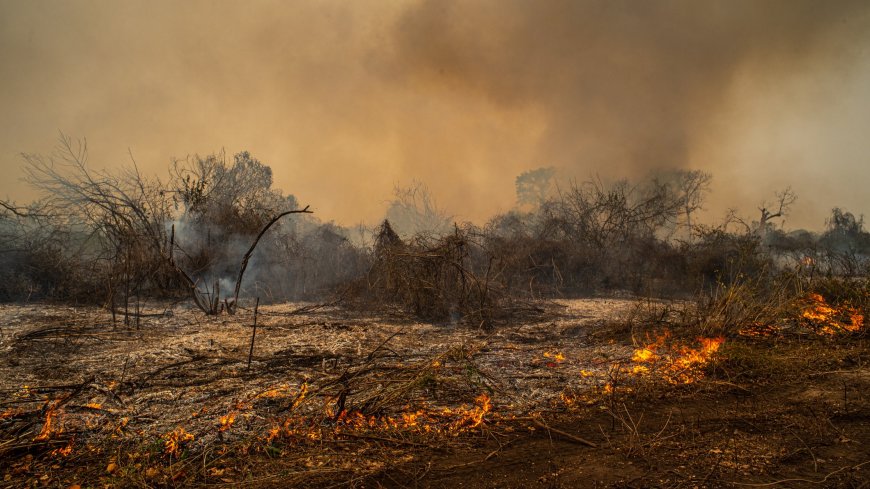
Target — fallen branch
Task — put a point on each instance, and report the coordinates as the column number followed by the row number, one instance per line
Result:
column 540, row 424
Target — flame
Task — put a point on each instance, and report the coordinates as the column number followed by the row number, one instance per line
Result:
column 476, row 415
column 303, row 391
column 558, row 356
column 830, row 320
column 174, row 440
column 275, row 392
column 94, row 405
column 644, row 355
column 677, row 363
column 226, row 422
column 47, row 429
column 273, row 433
column 8, row 413
column 64, row 451
column 425, row 420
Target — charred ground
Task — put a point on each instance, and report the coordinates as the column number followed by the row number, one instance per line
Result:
column 206, row 330
column 342, row 398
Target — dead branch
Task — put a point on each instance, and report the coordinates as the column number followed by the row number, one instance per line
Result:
column 540, row 424
column 247, row 256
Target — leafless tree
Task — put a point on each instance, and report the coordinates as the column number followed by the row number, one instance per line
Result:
column 605, row 215
column 780, row 208
column 413, row 211
column 692, row 185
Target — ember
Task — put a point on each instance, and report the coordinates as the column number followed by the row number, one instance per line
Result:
column 226, row 422
column 558, row 356
column 175, row 440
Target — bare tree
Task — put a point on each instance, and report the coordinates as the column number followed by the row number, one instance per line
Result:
column 123, row 207
column 780, row 208
column 534, row 186
column 692, row 186
column 604, row 215
column 413, row 210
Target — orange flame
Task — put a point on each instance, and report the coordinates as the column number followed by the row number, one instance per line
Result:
column 64, row 451
column 8, row 413
column 829, row 320
column 174, row 440
column 275, row 392
column 424, row 421
column 47, row 429
column 226, row 422
column 558, row 356
column 677, row 364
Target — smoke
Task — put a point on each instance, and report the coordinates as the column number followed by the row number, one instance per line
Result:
column 621, row 85
column 346, row 99
column 298, row 258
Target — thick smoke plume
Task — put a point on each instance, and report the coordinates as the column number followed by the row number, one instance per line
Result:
column 618, row 84
column 346, row 99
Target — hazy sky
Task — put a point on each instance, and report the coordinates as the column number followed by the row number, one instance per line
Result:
column 345, row 99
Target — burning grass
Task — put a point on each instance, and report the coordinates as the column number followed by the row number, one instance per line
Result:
column 337, row 397
column 829, row 320
column 673, row 361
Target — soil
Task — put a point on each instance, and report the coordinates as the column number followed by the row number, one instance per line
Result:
column 88, row 401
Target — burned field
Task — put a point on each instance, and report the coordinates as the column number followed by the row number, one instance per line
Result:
column 209, row 331
column 593, row 393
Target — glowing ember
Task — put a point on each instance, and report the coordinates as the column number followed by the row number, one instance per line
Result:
column 277, row 392
column 558, row 356
column 174, row 440
column 444, row 421
column 8, row 413
column 759, row 330
column 63, row 451
column 303, row 390
column 226, row 422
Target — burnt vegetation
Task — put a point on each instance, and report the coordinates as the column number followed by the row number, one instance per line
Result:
column 105, row 237
column 423, row 335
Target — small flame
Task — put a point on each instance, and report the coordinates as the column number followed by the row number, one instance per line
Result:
column 48, row 428
column 8, row 413
column 174, row 440
column 64, row 451
column 275, row 392
column 303, row 391
column 558, row 356
column 484, row 405
column 226, row 422
column 424, row 421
